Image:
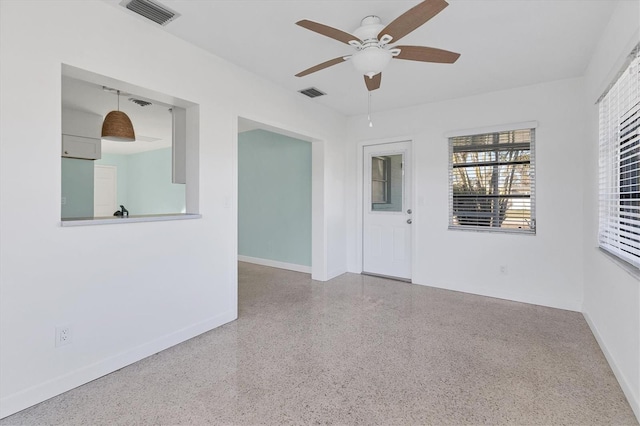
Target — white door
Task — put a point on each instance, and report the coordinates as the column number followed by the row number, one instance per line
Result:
column 105, row 184
column 386, row 236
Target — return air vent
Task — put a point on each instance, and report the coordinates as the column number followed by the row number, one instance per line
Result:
column 312, row 92
column 151, row 10
column 140, row 102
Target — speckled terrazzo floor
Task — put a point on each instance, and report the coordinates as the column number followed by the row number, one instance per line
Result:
column 359, row 350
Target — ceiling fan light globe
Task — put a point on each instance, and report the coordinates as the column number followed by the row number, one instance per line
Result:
column 371, row 61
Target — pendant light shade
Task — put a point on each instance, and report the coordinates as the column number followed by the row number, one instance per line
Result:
column 117, row 126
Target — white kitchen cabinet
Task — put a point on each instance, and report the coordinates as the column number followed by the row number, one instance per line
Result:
column 81, row 123
column 81, row 134
column 81, row 147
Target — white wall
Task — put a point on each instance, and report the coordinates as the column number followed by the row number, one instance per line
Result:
column 544, row 269
column 611, row 295
column 127, row 290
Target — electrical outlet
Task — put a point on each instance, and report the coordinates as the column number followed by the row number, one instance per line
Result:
column 504, row 270
column 64, row 335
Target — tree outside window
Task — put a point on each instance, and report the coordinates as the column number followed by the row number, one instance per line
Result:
column 491, row 185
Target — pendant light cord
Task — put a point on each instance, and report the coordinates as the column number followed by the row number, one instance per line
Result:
column 118, row 100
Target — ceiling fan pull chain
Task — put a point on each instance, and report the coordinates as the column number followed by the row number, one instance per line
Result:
column 369, row 112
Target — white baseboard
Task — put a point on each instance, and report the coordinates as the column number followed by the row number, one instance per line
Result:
column 336, row 273
column 567, row 305
column 275, row 264
column 634, row 400
column 26, row 398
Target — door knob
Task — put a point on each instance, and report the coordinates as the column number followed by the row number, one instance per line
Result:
column 409, row 211
column 409, row 221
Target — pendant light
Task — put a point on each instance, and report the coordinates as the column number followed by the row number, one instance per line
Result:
column 117, row 126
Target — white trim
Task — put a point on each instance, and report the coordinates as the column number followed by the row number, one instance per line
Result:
column 26, row 398
column 114, row 190
column 360, row 196
column 275, row 264
column 492, row 129
column 119, row 220
column 630, row 58
column 626, row 266
column 319, row 208
column 232, row 257
column 520, row 297
column 319, row 226
column 632, row 399
column 618, row 65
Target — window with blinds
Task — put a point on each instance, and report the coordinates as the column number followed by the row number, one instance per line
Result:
column 492, row 182
column 619, row 158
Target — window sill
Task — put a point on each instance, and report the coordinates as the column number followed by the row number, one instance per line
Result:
column 628, row 268
column 89, row 221
column 490, row 230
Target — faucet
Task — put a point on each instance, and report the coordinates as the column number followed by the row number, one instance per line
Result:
column 123, row 212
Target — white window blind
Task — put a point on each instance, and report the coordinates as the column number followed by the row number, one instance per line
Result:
column 619, row 171
column 492, row 181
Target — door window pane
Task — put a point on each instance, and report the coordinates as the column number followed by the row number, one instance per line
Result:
column 387, row 183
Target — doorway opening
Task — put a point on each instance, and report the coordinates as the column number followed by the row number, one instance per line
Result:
column 279, row 194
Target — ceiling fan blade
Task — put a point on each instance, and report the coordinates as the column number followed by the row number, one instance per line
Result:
column 328, row 31
column 412, row 19
column 373, row 83
column 322, row 66
column 426, row 54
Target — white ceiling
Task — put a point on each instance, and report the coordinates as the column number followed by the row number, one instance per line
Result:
column 152, row 124
column 503, row 43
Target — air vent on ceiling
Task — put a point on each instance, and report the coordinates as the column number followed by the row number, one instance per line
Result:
column 312, row 92
column 140, row 102
column 151, row 10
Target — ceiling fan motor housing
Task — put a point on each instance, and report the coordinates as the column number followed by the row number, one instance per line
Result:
column 371, row 57
column 368, row 31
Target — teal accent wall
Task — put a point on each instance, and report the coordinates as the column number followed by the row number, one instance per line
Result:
column 77, row 188
column 144, row 182
column 274, row 197
column 150, row 188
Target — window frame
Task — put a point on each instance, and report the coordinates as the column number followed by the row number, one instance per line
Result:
column 386, row 199
column 619, row 165
column 495, row 132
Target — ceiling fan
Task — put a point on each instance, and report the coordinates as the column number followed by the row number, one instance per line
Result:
column 371, row 42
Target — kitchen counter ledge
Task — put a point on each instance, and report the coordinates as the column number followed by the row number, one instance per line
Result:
column 113, row 220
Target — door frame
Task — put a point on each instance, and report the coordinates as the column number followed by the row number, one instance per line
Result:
column 115, row 184
column 360, row 197
column 319, row 237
